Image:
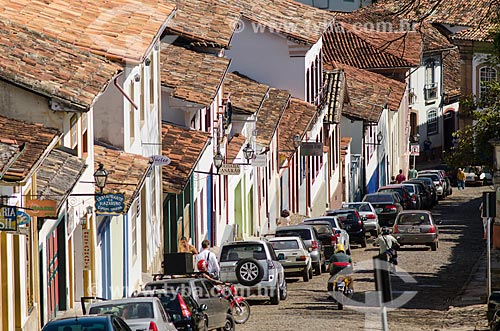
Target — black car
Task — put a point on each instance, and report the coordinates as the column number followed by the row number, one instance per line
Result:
column 432, row 187
column 387, row 206
column 352, row 223
column 108, row 322
column 327, row 236
column 203, row 291
column 184, row 311
column 424, row 193
column 403, row 192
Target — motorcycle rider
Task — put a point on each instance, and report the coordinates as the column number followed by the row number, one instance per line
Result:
column 338, row 262
column 388, row 246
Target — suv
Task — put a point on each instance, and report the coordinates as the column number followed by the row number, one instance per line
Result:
column 203, row 291
column 254, row 269
column 352, row 223
column 310, row 237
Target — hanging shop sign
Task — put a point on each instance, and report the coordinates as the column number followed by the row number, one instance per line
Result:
column 86, row 249
column 22, row 218
column 41, row 208
column 110, row 203
column 311, row 149
column 8, row 218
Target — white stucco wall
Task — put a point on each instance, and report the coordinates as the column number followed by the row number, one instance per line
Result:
column 264, row 57
column 353, row 129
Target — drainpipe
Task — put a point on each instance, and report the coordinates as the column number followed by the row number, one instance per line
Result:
column 122, row 91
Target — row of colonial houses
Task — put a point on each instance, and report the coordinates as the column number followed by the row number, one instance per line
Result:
column 206, row 119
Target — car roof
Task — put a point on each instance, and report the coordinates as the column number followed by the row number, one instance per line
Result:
column 316, row 221
column 341, row 210
column 245, row 242
column 293, row 227
column 391, row 186
column 99, row 317
column 125, row 300
column 416, row 212
column 285, row 238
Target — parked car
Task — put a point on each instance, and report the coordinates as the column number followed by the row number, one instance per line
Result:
column 254, row 269
column 368, row 215
column 340, row 233
column 203, row 291
column 387, row 206
column 438, row 182
column 107, row 322
column 403, row 192
column 431, row 186
column 310, row 237
column 415, row 194
column 352, row 223
column 416, row 227
column 472, row 174
column 449, row 187
column 184, row 311
column 424, row 192
column 442, row 175
column 486, row 176
column 326, row 234
column 293, row 256
column 144, row 313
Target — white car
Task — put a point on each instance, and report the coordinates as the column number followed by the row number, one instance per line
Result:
column 368, row 215
column 140, row 313
column 293, row 256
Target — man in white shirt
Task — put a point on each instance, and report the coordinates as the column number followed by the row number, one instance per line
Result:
column 207, row 255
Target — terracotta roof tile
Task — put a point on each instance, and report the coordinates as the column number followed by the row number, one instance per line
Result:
column 195, row 77
column 296, row 120
column 28, row 59
column 334, row 95
column 247, row 95
column 270, row 114
column 36, row 139
column 204, row 20
column 122, row 30
column 9, row 151
column 184, row 147
column 370, row 92
column 480, row 33
column 58, row 174
column 451, row 73
column 234, row 147
column 129, row 169
column 342, row 45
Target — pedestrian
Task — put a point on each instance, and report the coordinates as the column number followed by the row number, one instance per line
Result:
column 387, row 245
column 285, row 219
column 207, row 255
column 427, row 148
column 186, row 247
column 461, row 179
column 393, row 180
column 412, row 173
column 400, row 177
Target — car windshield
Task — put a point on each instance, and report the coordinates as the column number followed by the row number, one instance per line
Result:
column 238, row 252
column 323, row 229
column 80, row 324
column 379, row 198
column 285, row 244
column 358, row 206
column 127, row 310
column 410, row 188
column 434, row 177
column 392, row 189
column 170, row 302
column 305, row 234
column 413, row 219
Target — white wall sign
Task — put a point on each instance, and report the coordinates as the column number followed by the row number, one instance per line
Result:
column 86, row 249
column 160, row 160
column 229, row 169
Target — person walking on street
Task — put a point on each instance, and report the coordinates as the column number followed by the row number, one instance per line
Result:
column 205, row 254
column 412, row 173
column 460, row 179
column 285, row 219
column 186, row 247
column 400, row 177
column 427, row 148
column 388, row 246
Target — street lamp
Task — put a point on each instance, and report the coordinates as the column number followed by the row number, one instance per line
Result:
column 296, row 141
column 379, row 139
column 248, row 152
column 218, row 160
column 416, row 138
column 100, row 177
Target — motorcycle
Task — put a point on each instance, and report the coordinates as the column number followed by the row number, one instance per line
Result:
column 340, row 286
column 239, row 306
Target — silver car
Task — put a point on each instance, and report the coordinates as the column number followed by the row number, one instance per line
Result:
column 368, row 216
column 254, row 269
column 416, row 227
column 138, row 313
column 293, row 256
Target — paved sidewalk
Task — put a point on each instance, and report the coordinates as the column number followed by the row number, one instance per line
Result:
column 475, row 292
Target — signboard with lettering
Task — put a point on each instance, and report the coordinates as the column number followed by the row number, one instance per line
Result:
column 228, row 169
column 260, row 160
column 110, row 203
column 8, row 218
column 160, row 160
column 86, row 249
column 414, row 149
column 22, row 218
column 311, row 149
column 41, row 208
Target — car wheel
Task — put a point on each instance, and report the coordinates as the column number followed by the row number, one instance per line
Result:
column 310, row 273
column 317, row 269
column 249, row 272
column 275, row 297
column 305, row 275
column 434, row 246
column 229, row 325
column 284, row 291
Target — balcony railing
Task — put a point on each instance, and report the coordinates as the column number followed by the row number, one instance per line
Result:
column 430, row 91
